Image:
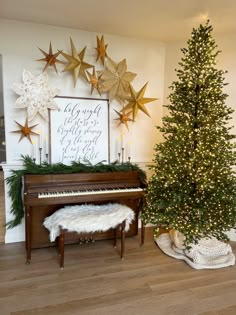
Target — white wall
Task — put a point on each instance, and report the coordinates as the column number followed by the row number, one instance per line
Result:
column 1, row 88
column 19, row 50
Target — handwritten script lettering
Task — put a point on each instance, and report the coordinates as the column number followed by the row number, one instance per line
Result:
column 79, row 131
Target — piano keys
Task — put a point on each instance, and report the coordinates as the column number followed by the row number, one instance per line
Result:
column 88, row 192
column 44, row 194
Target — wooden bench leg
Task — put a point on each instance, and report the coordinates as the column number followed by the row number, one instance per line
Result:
column 122, row 240
column 61, row 248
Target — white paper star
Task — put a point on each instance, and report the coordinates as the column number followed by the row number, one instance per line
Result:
column 35, row 95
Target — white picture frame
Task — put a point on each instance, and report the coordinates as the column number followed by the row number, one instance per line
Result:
column 79, row 131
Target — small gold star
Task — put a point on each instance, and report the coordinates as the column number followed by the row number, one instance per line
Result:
column 123, row 118
column 94, row 81
column 137, row 100
column 50, row 58
column 101, row 49
column 25, row 131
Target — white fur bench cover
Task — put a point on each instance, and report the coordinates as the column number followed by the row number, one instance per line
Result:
column 88, row 218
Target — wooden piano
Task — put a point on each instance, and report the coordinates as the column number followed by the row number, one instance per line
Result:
column 44, row 194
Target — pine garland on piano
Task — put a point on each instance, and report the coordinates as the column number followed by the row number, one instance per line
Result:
column 30, row 167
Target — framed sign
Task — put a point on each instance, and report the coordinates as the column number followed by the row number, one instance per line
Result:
column 79, row 130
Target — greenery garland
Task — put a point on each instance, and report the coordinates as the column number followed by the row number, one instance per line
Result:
column 30, row 167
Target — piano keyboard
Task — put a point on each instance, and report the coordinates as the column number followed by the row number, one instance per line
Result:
column 87, row 192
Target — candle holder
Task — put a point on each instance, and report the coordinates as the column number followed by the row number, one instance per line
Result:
column 122, row 155
column 129, row 158
column 40, row 156
column 46, row 157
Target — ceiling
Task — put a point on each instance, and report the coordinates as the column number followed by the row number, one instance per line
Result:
column 164, row 20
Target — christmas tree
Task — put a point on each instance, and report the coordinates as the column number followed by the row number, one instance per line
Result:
column 193, row 186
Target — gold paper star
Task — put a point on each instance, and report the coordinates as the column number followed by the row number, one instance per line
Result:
column 25, row 131
column 101, row 49
column 115, row 79
column 76, row 63
column 94, row 81
column 137, row 101
column 50, row 58
column 123, row 118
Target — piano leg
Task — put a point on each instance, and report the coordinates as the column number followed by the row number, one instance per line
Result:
column 142, row 208
column 115, row 236
column 28, row 234
column 142, row 233
column 122, row 240
column 61, row 248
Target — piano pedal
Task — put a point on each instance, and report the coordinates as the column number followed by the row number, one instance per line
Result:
column 86, row 240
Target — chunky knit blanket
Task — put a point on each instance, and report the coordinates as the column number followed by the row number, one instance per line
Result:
column 88, row 218
column 207, row 254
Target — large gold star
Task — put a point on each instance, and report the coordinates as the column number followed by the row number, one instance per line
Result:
column 115, row 80
column 137, row 100
column 76, row 63
column 101, row 49
column 25, row 130
column 94, row 81
column 123, row 118
column 50, row 58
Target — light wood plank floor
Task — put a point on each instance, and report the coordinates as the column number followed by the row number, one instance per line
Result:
column 96, row 281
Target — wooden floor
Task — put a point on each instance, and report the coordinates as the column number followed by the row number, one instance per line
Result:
column 96, row 281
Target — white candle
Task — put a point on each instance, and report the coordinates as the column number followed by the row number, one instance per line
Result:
column 117, row 149
column 128, row 149
column 121, row 141
column 121, row 137
column 41, row 139
column 33, row 150
column 46, row 145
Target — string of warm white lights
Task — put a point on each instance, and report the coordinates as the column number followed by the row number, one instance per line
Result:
column 193, row 187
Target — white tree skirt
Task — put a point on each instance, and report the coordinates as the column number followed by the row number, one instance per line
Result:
column 210, row 254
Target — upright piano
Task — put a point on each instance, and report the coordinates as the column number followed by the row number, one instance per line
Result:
column 46, row 193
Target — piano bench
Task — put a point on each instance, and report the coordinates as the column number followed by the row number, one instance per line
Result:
column 89, row 218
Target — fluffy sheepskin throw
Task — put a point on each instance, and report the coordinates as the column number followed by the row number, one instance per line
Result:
column 88, row 218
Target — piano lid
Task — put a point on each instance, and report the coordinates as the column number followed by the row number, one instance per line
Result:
column 60, row 182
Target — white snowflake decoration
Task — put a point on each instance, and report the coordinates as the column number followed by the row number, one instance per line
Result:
column 35, row 95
